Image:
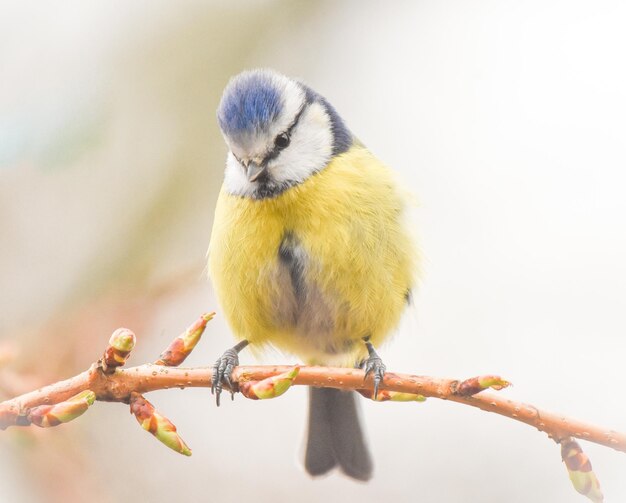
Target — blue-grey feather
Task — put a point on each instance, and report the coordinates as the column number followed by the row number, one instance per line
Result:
column 342, row 137
column 250, row 103
column 288, row 256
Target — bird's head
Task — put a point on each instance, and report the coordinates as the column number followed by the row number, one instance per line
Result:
column 279, row 132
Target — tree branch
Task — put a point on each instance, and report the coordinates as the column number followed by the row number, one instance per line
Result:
column 118, row 386
column 105, row 380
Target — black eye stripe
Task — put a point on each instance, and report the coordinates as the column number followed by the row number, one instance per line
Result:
column 276, row 150
column 296, row 118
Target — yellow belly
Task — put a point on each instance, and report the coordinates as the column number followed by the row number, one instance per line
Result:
column 346, row 223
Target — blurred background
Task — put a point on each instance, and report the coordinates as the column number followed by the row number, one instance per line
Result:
column 504, row 118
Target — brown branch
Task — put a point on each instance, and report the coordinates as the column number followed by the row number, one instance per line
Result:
column 65, row 400
column 117, row 387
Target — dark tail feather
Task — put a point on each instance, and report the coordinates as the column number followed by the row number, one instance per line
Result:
column 335, row 435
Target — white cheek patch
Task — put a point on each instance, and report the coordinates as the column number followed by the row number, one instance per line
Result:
column 310, row 148
column 235, row 179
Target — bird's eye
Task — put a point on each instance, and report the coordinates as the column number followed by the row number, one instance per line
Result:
column 282, row 140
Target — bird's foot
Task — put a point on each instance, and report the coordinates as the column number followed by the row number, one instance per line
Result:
column 373, row 365
column 223, row 369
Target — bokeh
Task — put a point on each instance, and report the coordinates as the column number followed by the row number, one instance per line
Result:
column 504, row 118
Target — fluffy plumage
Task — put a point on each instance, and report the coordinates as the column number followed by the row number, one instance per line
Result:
column 309, row 252
column 357, row 261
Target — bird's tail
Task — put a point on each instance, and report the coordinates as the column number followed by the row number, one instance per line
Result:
column 335, row 436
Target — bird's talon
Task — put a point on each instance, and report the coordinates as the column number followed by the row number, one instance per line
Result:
column 222, row 371
column 374, row 365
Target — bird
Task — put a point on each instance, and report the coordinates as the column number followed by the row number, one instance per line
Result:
column 310, row 251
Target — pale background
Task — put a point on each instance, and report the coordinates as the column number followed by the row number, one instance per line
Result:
column 506, row 119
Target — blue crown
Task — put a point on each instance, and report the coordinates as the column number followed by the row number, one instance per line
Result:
column 251, row 101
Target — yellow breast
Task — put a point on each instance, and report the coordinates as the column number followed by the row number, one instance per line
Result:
column 346, row 265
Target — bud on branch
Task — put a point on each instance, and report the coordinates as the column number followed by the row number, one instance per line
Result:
column 183, row 345
column 580, row 472
column 117, row 352
column 46, row 416
column 106, row 381
column 153, row 422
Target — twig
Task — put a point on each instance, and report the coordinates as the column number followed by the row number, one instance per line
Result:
column 117, row 387
column 106, row 381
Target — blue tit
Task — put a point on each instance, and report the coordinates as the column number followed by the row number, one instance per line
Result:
column 309, row 251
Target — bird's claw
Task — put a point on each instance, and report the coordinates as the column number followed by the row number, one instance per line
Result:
column 374, row 365
column 222, row 371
